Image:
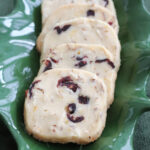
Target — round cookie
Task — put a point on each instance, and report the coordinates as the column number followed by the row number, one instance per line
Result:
column 91, row 58
column 48, row 6
column 83, row 31
column 68, row 12
column 59, row 104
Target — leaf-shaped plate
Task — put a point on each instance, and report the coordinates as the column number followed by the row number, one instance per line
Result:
column 19, row 63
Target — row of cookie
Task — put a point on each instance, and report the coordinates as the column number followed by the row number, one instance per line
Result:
column 70, row 105
column 72, row 11
column 73, row 31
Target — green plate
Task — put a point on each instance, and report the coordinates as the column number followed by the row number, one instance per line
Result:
column 19, row 63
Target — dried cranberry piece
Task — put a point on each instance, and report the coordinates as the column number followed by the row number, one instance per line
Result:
column 68, row 82
column 83, row 99
column 75, row 119
column 110, row 23
column 32, row 86
column 106, row 2
column 81, row 64
column 106, row 60
column 63, row 29
column 64, row 80
column 71, row 108
column 90, row 12
column 58, row 29
column 72, row 86
column 66, row 27
column 26, row 93
column 54, row 60
column 48, row 65
column 80, row 58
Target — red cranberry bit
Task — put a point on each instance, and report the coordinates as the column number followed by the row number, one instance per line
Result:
column 26, row 93
column 81, row 64
column 106, row 2
column 68, row 82
column 71, row 108
column 75, row 119
column 66, row 27
column 72, row 86
column 83, row 99
column 64, row 80
column 54, row 60
column 63, row 29
column 80, row 58
column 106, row 60
column 110, row 23
column 58, row 29
column 48, row 65
column 90, row 12
column 32, row 86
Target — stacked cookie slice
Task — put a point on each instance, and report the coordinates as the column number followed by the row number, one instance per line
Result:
column 80, row 58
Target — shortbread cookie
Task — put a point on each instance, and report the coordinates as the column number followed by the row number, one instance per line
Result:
column 84, row 31
column 48, row 6
column 72, row 11
column 91, row 58
column 59, row 104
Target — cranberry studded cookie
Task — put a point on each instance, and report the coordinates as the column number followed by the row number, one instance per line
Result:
column 91, row 58
column 83, row 31
column 68, row 12
column 48, row 6
column 66, row 105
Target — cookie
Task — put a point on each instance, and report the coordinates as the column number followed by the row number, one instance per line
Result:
column 72, row 11
column 91, row 58
column 83, row 31
column 48, row 6
column 59, row 104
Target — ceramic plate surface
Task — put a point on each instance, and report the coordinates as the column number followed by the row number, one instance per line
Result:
column 19, row 63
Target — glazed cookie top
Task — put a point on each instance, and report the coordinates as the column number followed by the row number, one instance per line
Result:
column 62, row 100
column 83, row 31
column 68, row 12
column 48, row 6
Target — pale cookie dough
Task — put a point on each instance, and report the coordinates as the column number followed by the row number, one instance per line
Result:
column 72, row 11
column 48, row 6
column 83, row 31
column 66, row 105
column 91, row 58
